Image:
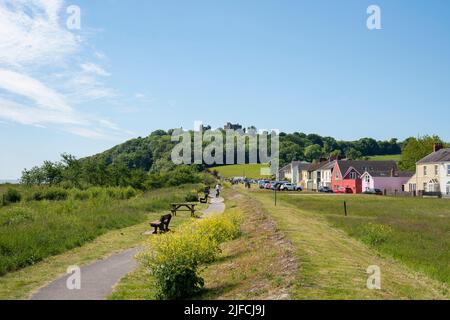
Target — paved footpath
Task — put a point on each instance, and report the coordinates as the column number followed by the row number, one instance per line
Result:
column 99, row 278
column 216, row 206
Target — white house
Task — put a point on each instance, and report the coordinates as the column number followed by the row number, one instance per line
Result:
column 326, row 174
column 445, row 179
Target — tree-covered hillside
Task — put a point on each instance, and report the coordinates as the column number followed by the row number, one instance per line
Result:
column 147, row 161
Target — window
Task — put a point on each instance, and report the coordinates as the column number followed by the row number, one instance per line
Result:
column 368, row 179
column 436, row 170
column 425, row 170
column 352, row 175
column 448, row 189
column 337, row 175
column 448, row 169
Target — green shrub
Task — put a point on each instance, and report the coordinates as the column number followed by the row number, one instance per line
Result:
column 11, row 196
column 191, row 197
column 56, row 194
column 50, row 194
column 375, row 234
column 15, row 216
column 174, row 259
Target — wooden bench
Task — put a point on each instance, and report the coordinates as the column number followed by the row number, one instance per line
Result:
column 205, row 199
column 186, row 207
column 162, row 224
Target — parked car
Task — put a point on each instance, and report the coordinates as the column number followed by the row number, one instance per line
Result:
column 262, row 183
column 344, row 190
column 325, row 190
column 290, row 187
column 276, row 185
column 377, row 192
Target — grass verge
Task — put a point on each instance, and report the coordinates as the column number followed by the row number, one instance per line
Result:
column 333, row 264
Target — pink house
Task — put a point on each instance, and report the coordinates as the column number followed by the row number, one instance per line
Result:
column 388, row 182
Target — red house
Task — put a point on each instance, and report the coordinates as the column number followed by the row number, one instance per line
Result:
column 347, row 174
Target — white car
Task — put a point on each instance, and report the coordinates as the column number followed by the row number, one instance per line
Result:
column 290, row 187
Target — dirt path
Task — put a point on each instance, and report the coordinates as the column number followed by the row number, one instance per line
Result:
column 334, row 266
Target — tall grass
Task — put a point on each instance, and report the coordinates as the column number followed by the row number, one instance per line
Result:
column 33, row 230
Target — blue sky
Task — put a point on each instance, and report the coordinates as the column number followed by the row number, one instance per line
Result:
column 136, row 66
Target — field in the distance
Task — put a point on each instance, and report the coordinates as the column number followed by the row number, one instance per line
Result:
column 252, row 171
column 395, row 157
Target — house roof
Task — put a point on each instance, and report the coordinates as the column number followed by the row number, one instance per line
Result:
column 397, row 174
column 301, row 165
column 285, row 168
column 442, row 155
column 329, row 165
column 317, row 165
column 366, row 165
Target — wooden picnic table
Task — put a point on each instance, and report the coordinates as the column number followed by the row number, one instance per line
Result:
column 186, row 207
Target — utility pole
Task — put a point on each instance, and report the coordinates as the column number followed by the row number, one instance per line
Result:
column 275, row 196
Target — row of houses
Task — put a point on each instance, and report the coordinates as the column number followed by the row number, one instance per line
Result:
column 338, row 175
column 432, row 175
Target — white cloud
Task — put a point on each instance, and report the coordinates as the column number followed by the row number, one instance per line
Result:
column 34, row 40
column 23, row 114
column 26, row 86
column 92, row 68
column 30, row 33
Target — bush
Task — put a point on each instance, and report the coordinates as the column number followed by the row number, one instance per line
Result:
column 11, row 196
column 50, row 194
column 375, row 234
column 15, row 216
column 174, row 259
column 191, row 197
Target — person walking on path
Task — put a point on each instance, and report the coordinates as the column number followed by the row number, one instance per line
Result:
column 218, row 188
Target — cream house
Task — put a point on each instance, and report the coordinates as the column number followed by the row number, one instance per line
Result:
column 296, row 172
column 432, row 173
column 445, row 179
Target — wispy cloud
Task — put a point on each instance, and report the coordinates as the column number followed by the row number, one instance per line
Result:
column 34, row 40
column 92, row 68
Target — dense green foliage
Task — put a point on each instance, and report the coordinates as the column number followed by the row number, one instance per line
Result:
column 11, row 196
column 174, row 259
column 415, row 149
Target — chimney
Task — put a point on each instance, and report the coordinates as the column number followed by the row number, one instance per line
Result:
column 437, row 147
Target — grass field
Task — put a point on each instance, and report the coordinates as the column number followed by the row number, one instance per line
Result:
column 31, row 231
column 252, row 171
column 412, row 230
column 395, row 157
column 407, row 238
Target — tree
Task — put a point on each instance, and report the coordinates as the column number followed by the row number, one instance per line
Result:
column 313, row 152
column 353, row 154
column 415, row 149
